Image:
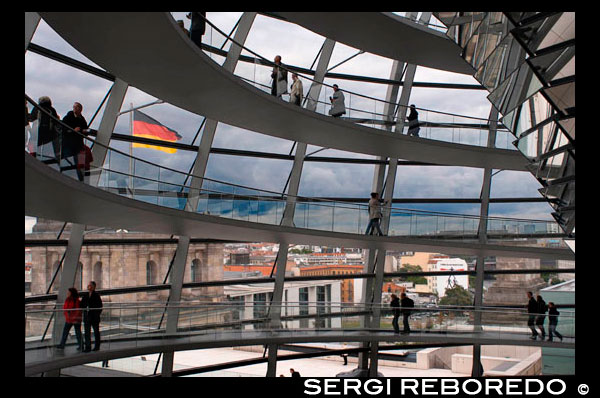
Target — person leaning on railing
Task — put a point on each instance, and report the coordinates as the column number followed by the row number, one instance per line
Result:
column 73, row 139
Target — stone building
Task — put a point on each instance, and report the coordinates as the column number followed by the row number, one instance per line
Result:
column 124, row 265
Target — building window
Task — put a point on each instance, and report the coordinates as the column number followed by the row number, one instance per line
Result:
column 97, row 274
column 260, row 308
column 303, row 301
column 151, row 273
column 196, row 273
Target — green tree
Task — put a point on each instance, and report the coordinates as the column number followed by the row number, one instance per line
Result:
column 457, row 295
column 417, row 280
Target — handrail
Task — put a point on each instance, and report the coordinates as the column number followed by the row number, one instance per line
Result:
column 296, row 304
column 271, row 63
column 326, row 202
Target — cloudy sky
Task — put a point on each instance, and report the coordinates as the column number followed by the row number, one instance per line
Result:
column 297, row 46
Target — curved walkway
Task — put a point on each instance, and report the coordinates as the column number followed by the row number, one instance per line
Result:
column 49, row 194
column 47, row 359
column 385, row 34
column 177, row 71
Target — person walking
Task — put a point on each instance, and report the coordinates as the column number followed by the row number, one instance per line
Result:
column 296, row 93
column 279, row 75
column 92, row 305
column 395, row 304
column 532, row 309
column 406, row 303
column 553, row 321
column 541, row 317
column 72, row 318
column 413, row 122
column 197, row 26
column 375, row 214
column 338, row 107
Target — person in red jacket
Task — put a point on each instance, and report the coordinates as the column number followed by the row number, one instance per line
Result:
column 72, row 318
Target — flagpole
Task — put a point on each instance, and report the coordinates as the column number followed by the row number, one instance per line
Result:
column 131, row 149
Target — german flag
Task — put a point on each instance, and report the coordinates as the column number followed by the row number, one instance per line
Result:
column 145, row 126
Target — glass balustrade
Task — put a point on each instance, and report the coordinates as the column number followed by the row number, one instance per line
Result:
column 362, row 109
column 138, row 179
column 143, row 324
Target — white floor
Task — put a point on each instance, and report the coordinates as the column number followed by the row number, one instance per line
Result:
column 312, row 367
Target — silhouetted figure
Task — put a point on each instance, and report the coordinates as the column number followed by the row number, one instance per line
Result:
column 294, row 373
column 541, row 317
column 72, row 142
column 345, row 357
column 46, row 130
column 375, row 214
column 395, row 304
column 197, row 27
column 413, row 122
column 406, row 303
column 338, row 107
column 72, row 318
column 279, row 75
column 553, row 321
column 92, row 305
column 532, row 309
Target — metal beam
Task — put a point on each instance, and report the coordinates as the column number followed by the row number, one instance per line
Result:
column 276, row 304
column 477, row 368
column 107, row 125
column 32, row 19
column 313, row 96
column 245, row 23
column 67, row 280
column 177, row 275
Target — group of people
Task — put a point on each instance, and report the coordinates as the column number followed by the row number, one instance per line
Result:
column 86, row 309
column 279, row 87
column 401, row 306
column 537, row 308
column 338, row 106
column 66, row 143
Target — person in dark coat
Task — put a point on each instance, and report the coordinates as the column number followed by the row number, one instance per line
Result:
column 197, row 27
column 294, row 373
column 92, row 305
column 541, row 317
column 413, row 122
column 279, row 76
column 553, row 321
column 532, row 309
column 406, row 303
column 72, row 142
column 47, row 129
column 395, row 304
